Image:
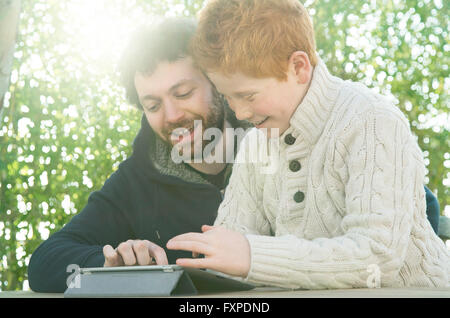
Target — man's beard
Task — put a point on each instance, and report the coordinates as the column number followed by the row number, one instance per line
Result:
column 214, row 119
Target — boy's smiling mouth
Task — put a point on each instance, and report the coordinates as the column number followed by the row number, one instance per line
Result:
column 257, row 124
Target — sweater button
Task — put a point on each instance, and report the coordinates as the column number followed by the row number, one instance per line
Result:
column 289, row 139
column 295, row 166
column 299, row 197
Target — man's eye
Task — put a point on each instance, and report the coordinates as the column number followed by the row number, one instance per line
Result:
column 153, row 108
column 185, row 95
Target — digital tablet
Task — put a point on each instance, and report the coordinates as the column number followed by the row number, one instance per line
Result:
column 155, row 280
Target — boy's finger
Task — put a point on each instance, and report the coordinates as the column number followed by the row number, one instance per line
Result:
column 192, row 246
column 206, row 228
column 194, row 263
column 199, row 237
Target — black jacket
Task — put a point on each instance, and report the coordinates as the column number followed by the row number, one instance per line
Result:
column 136, row 202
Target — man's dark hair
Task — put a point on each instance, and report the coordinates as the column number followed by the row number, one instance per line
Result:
column 168, row 41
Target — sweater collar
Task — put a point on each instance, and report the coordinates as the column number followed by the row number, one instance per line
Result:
column 311, row 115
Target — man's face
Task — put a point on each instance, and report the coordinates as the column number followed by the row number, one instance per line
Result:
column 266, row 103
column 174, row 96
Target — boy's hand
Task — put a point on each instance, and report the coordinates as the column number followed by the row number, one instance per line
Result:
column 225, row 251
column 134, row 252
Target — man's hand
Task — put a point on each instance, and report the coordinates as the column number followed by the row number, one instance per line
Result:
column 134, row 252
column 225, row 251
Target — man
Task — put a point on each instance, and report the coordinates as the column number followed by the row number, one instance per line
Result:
column 150, row 198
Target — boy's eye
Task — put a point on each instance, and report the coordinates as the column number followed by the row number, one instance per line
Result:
column 250, row 97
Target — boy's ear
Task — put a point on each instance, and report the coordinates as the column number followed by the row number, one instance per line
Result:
column 300, row 66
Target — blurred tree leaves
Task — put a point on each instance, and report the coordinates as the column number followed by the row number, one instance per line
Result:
column 67, row 126
column 401, row 48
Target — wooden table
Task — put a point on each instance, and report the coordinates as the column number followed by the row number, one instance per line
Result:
column 281, row 293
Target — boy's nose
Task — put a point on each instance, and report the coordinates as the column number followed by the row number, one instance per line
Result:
column 243, row 113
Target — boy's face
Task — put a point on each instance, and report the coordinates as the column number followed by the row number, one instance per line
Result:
column 266, row 103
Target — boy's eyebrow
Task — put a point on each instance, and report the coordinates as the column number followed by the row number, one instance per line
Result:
column 173, row 88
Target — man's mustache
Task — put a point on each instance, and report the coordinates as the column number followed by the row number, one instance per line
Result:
column 186, row 124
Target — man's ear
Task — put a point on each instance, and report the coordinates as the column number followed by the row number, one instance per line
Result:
column 300, row 67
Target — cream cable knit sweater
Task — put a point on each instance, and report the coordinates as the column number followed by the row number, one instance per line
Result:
column 347, row 193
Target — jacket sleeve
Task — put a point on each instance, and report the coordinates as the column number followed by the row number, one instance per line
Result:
column 81, row 241
column 433, row 210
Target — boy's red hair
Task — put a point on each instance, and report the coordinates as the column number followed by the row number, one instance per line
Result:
column 255, row 37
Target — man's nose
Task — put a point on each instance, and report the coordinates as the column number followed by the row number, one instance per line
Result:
column 172, row 112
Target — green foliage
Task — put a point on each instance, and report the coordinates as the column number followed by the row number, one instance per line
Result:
column 66, row 125
column 401, row 48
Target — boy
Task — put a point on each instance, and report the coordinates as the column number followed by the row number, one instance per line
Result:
column 347, row 199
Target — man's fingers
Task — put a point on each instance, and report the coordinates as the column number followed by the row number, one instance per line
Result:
column 108, row 251
column 135, row 252
column 112, row 258
column 145, row 251
column 125, row 250
column 141, row 252
column 157, row 252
